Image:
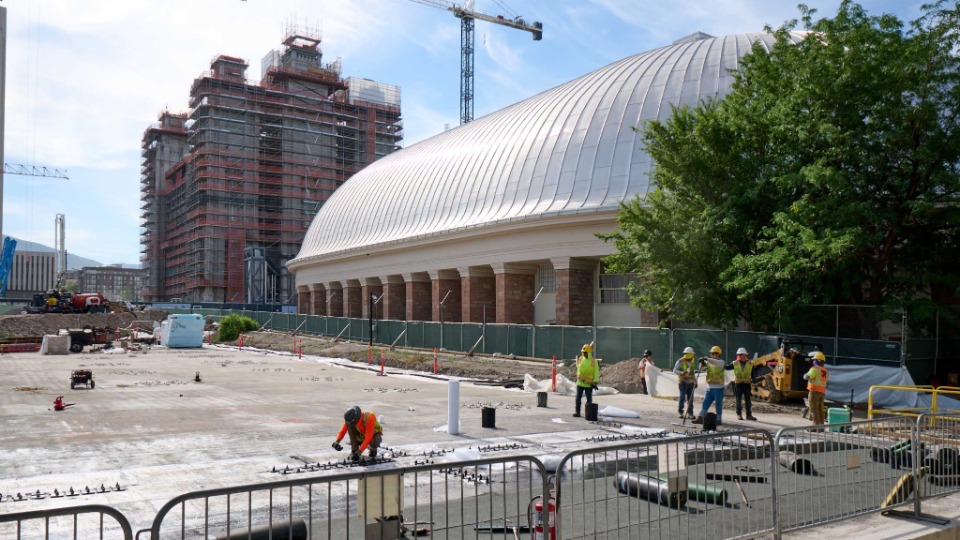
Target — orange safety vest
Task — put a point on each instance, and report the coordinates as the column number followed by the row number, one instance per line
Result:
column 818, row 379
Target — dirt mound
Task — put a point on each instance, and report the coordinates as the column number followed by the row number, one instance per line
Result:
column 623, row 375
column 51, row 323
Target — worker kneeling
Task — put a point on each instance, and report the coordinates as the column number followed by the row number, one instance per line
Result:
column 364, row 430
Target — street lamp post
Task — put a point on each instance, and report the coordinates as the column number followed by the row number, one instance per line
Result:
column 441, row 316
column 533, row 353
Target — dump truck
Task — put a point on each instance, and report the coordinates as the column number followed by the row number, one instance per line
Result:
column 778, row 376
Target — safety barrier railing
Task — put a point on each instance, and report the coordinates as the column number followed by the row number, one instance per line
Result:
column 76, row 522
column 453, row 499
column 937, row 454
column 921, row 393
column 839, row 471
column 719, row 485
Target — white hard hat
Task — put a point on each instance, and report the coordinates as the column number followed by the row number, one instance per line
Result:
column 688, row 350
column 741, row 350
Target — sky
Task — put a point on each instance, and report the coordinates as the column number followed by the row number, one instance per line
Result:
column 84, row 79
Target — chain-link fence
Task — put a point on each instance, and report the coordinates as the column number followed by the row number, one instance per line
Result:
column 859, row 335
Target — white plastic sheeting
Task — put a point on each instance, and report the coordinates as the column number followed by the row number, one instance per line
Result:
column 663, row 383
column 55, row 344
column 617, row 412
column 565, row 387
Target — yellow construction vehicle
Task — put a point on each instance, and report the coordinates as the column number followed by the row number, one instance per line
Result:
column 778, row 376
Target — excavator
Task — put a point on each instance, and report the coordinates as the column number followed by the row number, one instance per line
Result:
column 778, row 376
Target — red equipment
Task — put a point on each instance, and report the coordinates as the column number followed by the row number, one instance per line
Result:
column 59, row 405
column 537, row 525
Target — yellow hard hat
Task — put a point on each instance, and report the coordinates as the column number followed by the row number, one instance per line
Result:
column 817, row 355
column 587, row 348
column 716, row 349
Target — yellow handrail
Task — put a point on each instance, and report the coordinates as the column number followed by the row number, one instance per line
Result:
column 912, row 411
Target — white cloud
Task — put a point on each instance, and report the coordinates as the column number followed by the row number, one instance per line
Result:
column 84, row 79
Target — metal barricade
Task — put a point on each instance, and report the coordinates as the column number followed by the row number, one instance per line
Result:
column 449, row 499
column 937, row 454
column 75, row 522
column 833, row 472
column 718, row 485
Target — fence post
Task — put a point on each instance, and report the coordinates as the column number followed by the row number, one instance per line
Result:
column 917, row 455
column 774, row 479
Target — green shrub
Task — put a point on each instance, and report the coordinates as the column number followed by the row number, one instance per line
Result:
column 232, row 326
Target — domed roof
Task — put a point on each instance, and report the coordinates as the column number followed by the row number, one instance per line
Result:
column 568, row 150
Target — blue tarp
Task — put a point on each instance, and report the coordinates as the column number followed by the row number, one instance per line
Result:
column 860, row 378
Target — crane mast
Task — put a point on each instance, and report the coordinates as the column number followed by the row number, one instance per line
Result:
column 467, row 16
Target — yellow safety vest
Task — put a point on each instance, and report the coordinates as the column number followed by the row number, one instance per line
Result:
column 742, row 372
column 818, row 379
column 714, row 374
column 686, row 370
column 587, row 371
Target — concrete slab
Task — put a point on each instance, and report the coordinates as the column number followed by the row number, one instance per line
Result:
column 152, row 431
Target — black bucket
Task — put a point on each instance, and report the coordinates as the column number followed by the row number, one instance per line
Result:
column 592, row 409
column 488, row 417
column 541, row 399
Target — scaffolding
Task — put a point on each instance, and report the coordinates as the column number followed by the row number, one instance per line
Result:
column 256, row 162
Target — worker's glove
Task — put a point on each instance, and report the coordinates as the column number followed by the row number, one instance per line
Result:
column 337, row 446
column 355, row 456
column 594, row 386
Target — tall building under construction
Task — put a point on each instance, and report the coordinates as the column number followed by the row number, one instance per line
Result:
column 229, row 189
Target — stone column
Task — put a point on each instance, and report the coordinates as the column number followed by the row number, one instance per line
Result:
column 303, row 299
column 370, row 286
column 318, row 299
column 442, row 282
column 515, row 283
column 418, row 296
column 576, row 279
column 394, row 298
column 335, row 299
column 478, row 288
column 351, row 299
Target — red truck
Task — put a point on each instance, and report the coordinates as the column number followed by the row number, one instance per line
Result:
column 57, row 302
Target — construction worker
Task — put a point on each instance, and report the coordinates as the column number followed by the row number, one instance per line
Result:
column 715, row 383
column 364, row 430
column 645, row 360
column 743, row 382
column 588, row 374
column 684, row 368
column 817, row 385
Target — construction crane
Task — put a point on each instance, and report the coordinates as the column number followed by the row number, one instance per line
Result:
column 467, row 15
column 9, row 244
column 33, row 170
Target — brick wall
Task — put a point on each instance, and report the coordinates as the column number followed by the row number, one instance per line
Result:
column 515, row 298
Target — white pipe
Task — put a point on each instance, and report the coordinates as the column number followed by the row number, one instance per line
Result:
column 453, row 407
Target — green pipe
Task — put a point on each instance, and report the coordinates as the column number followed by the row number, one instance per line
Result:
column 702, row 493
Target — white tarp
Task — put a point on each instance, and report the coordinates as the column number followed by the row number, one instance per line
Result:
column 663, row 383
column 565, row 387
column 55, row 344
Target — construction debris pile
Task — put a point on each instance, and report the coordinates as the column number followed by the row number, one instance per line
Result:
column 52, row 323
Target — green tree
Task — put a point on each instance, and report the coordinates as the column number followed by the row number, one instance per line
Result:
column 828, row 174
